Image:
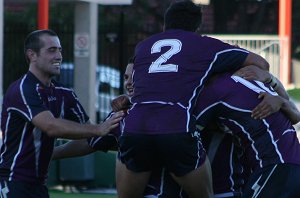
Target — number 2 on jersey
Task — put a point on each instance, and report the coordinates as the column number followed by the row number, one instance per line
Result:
column 158, row 66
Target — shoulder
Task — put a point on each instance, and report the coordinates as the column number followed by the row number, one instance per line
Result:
column 224, row 83
column 24, row 86
column 61, row 87
column 217, row 87
column 68, row 94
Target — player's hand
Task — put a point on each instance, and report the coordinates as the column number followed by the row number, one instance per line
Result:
column 120, row 103
column 110, row 123
column 253, row 73
column 269, row 104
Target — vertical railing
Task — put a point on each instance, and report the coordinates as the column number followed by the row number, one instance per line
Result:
column 268, row 46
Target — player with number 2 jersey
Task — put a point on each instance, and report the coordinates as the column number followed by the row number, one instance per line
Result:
column 170, row 69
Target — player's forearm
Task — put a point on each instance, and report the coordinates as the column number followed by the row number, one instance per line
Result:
column 279, row 88
column 291, row 111
column 288, row 107
column 61, row 128
column 74, row 148
column 70, row 130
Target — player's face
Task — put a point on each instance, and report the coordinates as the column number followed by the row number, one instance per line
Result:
column 128, row 79
column 48, row 60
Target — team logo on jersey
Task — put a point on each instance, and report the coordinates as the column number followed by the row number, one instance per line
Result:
column 51, row 98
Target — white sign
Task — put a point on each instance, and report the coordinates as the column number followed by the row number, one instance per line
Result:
column 81, row 45
column 202, row 2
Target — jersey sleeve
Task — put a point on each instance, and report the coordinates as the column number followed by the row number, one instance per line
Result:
column 73, row 109
column 230, row 60
column 226, row 57
column 25, row 101
column 107, row 142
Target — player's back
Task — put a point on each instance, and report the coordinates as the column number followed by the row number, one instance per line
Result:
column 170, row 68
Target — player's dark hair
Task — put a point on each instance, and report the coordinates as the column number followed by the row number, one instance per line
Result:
column 33, row 41
column 183, row 15
column 130, row 60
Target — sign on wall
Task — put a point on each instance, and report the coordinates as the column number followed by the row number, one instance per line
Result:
column 81, row 45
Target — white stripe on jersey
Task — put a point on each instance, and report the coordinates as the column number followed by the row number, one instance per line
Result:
column 5, row 139
column 20, row 111
column 244, row 131
column 24, row 99
column 260, row 87
column 37, row 140
column 17, row 154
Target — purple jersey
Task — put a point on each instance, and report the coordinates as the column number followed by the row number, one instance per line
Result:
column 26, row 151
column 230, row 100
column 169, row 71
column 224, row 148
column 107, row 142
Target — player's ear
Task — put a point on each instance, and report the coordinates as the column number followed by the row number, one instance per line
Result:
column 30, row 54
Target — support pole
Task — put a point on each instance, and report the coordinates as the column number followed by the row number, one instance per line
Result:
column 285, row 35
column 121, row 50
column 43, row 14
column 85, row 55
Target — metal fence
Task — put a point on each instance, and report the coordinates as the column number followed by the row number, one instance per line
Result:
column 268, row 46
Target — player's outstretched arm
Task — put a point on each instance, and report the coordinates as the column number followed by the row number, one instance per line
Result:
column 61, row 128
column 73, row 148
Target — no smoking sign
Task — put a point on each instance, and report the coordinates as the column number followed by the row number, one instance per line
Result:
column 81, row 45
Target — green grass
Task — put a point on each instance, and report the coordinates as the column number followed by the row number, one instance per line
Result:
column 294, row 93
column 60, row 194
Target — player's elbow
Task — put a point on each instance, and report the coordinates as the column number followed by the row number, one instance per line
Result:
column 257, row 60
column 51, row 128
column 266, row 65
column 46, row 123
column 296, row 119
column 54, row 127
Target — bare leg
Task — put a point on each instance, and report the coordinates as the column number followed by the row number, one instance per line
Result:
column 130, row 184
column 197, row 183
